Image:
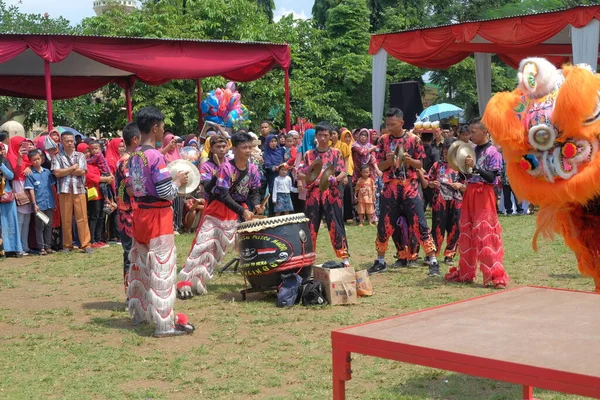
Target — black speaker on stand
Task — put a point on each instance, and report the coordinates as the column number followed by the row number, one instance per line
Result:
column 407, row 97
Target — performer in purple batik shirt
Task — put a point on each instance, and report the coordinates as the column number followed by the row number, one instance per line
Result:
column 151, row 289
column 238, row 182
column 480, row 240
column 210, row 167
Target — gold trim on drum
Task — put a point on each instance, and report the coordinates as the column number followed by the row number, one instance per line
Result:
column 261, row 224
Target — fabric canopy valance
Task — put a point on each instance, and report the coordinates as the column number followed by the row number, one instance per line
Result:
column 82, row 64
column 512, row 39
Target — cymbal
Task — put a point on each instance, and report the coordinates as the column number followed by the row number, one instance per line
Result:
column 457, row 154
column 398, row 156
column 313, row 171
column 324, row 182
column 193, row 175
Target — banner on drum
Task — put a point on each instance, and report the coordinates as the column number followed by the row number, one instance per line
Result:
column 261, row 253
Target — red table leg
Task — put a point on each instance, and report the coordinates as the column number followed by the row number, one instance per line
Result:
column 341, row 371
column 528, row 393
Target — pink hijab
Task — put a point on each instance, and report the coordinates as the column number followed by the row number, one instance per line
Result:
column 172, row 154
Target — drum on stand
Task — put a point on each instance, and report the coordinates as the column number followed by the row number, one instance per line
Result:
column 271, row 246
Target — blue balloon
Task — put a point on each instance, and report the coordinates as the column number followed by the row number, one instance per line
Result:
column 204, row 106
column 213, row 101
column 215, row 119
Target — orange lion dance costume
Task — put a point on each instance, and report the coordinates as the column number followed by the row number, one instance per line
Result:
column 549, row 129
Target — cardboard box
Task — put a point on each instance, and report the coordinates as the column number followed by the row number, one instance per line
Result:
column 339, row 284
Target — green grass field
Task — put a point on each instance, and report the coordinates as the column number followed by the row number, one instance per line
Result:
column 65, row 333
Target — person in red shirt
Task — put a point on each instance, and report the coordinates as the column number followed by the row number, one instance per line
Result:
column 401, row 195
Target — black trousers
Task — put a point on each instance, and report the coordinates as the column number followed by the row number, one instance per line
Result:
column 127, row 242
column 96, row 219
column 508, row 204
column 348, row 201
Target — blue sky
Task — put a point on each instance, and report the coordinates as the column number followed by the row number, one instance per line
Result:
column 76, row 10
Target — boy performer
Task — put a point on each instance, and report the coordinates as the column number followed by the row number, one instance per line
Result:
column 153, row 256
column 238, row 181
column 131, row 137
column 328, row 203
column 401, row 192
column 480, row 239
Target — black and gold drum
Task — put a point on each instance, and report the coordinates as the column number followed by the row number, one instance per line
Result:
column 271, row 246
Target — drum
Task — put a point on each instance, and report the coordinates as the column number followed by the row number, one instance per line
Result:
column 270, row 246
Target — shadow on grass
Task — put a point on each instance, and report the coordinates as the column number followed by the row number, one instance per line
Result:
column 105, row 305
column 125, row 324
column 448, row 386
column 267, row 296
column 565, row 276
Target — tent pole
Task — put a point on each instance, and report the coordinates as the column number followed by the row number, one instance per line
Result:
column 48, row 81
column 129, row 102
column 288, row 124
column 199, row 93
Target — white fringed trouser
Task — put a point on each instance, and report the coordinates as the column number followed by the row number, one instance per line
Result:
column 151, row 290
column 208, row 249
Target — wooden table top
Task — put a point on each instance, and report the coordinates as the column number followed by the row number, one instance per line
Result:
column 531, row 326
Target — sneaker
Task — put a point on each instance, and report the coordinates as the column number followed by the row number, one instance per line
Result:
column 99, row 245
column 448, row 261
column 434, row 268
column 65, row 250
column 176, row 233
column 401, row 263
column 377, row 267
column 413, row 263
column 88, row 250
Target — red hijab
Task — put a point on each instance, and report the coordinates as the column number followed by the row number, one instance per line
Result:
column 112, row 154
column 13, row 156
column 82, row 147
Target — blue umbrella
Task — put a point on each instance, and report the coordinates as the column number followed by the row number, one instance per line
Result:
column 75, row 133
column 440, row 111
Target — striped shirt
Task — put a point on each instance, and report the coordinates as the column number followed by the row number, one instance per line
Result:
column 70, row 184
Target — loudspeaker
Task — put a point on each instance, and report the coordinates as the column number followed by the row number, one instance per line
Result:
column 407, row 97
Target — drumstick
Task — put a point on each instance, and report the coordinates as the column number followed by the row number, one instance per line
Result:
column 264, row 203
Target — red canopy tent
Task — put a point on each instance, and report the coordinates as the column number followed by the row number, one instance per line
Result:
column 560, row 36
column 66, row 66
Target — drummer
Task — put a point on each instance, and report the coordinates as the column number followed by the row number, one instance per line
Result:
column 238, row 182
column 328, row 203
column 210, row 167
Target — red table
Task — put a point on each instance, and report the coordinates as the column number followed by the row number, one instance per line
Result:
column 531, row 336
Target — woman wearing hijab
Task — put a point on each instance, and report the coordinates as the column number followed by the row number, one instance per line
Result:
column 308, row 141
column 192, row 140
column 19, row 162
column 273, row 157
column 114, row 150
column 8, row 212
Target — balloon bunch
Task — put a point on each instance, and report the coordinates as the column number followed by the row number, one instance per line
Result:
column 224, row 106
column 302, row 125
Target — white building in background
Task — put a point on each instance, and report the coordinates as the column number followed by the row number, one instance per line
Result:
column 101, row 5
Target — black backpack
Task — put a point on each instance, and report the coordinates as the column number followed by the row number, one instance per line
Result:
column 312, row 294
column 288, row 290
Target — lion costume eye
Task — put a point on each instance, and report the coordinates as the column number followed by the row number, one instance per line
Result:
column 542, row 136
column 596, row 115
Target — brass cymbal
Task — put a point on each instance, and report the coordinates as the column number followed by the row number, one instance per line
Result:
column 398, row 156
column 324, row 182
column 457, row 155
column 313, row 171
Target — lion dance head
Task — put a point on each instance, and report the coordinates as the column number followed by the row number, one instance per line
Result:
column 549, row 129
